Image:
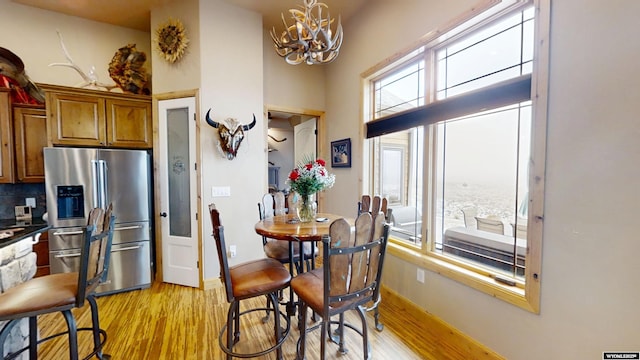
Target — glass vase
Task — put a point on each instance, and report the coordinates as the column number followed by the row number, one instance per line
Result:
column 306, row 208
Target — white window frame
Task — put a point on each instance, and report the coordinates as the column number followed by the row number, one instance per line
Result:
column 527, row 295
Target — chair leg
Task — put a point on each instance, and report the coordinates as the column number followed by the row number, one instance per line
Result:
column 342, row 348
column 267, row 314
column 324, row 328
column 231, row 315
column 98, row 343
column 73, row 334
column 365, row 334
column 236, row 326
column 302, row 325
column 376, row 317
column 33, row 337
column 277, row 329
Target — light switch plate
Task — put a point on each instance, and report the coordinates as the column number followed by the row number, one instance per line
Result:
column 31, row 202
column 220, row 191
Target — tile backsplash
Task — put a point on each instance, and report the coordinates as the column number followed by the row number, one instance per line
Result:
column 12, row 195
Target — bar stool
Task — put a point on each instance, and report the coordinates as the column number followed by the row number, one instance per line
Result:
column 375, row 207
column 63, row 292
column 264, row 277
column 350, row 274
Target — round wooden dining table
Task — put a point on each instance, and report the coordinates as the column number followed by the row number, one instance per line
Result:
column 289, row 228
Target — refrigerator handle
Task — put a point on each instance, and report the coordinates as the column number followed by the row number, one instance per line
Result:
column 94, row 183
column 102, row 189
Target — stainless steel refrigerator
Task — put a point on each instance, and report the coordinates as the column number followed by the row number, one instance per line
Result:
column 79, row 179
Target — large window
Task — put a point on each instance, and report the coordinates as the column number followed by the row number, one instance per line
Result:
column 451, row 150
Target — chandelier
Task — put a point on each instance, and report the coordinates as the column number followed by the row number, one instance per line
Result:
column 310, row 38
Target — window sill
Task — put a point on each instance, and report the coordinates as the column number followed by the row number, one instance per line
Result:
column 511, row 294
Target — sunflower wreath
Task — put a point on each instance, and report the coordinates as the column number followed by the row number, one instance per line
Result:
column 171, row 40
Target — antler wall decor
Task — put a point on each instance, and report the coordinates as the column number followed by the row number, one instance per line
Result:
column 90, row 80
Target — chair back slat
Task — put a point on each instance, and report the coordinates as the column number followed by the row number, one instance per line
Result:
column 365, row 204
column 279, row 208
column 218, row 235
column 375, row 204
column 267, row 206
column 341, row 237
column 375, row 254
column 95, row 253
column 384, row 208
column 359, row 261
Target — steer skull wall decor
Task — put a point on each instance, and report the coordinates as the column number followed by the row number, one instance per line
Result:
column 230, row 134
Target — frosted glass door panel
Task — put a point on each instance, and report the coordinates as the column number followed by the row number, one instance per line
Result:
column 178, row 174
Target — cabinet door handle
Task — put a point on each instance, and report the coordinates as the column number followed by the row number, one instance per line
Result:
column 128, row 228
column 68, row 233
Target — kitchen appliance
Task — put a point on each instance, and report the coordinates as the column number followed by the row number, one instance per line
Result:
column 79, row 179
column 23, row 212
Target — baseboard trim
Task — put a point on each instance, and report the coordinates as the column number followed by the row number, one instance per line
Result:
column 449, row 342
column 208, row 284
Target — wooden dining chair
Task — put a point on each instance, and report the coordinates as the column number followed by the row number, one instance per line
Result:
column 263, row 277
column 348, row 279
column 63, row 292
column 269, row 206
column 376, row 206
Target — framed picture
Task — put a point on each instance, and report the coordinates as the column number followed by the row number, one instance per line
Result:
column 341, row 153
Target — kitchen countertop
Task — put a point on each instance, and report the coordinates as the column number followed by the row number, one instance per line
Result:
column 29, row 228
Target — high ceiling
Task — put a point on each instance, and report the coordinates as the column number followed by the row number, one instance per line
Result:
column 137, row 15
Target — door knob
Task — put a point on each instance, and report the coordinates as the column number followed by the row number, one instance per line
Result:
column 163, row 214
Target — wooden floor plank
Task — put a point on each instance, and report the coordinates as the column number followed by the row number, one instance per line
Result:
column 174, row 322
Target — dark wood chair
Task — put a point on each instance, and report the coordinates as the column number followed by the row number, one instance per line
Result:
column 348, row 279
column 264, row 277
column 377, row 206
column 269, row 206
column 63, row 292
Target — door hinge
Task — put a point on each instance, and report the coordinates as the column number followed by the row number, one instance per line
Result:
column 194, row 116
column 195, row 166
column 198, row 264
column 196, row 216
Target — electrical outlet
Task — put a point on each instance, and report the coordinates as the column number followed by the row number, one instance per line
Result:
column 420, row 276
column 233, row 251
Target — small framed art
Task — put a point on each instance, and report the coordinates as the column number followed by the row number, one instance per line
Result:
column 341, row 153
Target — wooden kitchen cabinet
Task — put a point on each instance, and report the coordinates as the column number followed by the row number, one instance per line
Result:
column 30, row 137
column 42, row 255
column 129, row 123
column 6, row 138
column 81, row 117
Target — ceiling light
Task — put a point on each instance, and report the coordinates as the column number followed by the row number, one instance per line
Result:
column 310, row 38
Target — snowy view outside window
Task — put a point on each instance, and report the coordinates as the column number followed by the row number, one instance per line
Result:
column 480, row 172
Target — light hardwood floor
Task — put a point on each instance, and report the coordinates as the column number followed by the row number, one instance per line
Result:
column 174, row 322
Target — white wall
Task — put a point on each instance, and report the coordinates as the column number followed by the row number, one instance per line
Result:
column 183, row 74
column 590, row 271
column 232, row 86
column 31, row 34
column 294, row 86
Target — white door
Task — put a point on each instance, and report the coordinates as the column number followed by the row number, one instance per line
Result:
column 304, row 141
column 177, row 177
